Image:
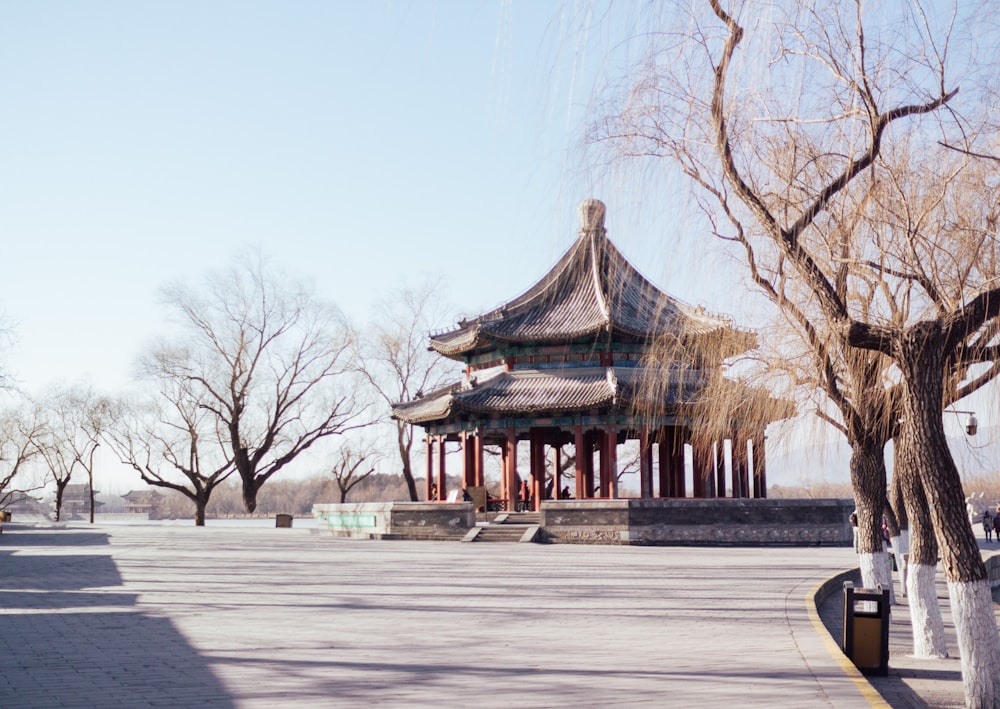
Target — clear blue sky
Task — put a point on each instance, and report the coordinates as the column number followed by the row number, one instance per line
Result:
column 358, row 143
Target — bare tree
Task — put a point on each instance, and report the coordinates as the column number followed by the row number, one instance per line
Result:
column 174, row 442
column 786, row 128
column 61, row 460
column 351, row 465
column 268, row 360
column 393, row 357
column 74, row 422
column 19, row 436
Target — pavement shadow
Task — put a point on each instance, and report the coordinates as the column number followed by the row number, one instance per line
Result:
column 15, row 537
column 94, row 659
column 63, row 572
column 61, row 645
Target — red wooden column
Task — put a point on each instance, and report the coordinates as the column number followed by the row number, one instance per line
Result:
column 665, row 453
column 442, row 481
column 588, row 480
column 740, row 482
column 537, row 438
column 512, row 491
column 645, row 465
column 677, row 465
column 666, row 483
column 604, row 465
column 609, row 463
column 479, row 479
column 429, row 481
column 584, row 464
column 759, row 466
column 703, row 473
column 710, row 490
column 503, row 470
column 720, row 468
column 557, row 484
column 468, row 460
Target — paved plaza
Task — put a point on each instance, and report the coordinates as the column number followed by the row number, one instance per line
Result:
column 252, row 617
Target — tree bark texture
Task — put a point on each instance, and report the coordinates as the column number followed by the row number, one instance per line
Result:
column 919, row 352
column 868, row 480
column 249, row 490
column 405, row 446
column 925, row 609
column 60, row 488
column 921, row 358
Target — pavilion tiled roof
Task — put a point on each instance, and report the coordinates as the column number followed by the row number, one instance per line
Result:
column 592, row 289
column 554, row 391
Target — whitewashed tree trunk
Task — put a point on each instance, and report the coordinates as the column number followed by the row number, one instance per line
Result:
column 868, row 566
column 877, row 571
column 920, row 355
column 883, row 570
column 978, row 642
column 901, row 550
column 925, row 613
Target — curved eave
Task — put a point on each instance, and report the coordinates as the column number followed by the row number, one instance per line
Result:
column 518, row 391
column 432, row 407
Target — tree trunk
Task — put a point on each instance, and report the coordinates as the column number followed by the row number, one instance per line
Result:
column 60, row 488
column 920, row 355
column 249, row 491
column 200, row 503
column 90, row 480
column 900, row 539
column 868, row 481
column 404, row 456
column 926, row 621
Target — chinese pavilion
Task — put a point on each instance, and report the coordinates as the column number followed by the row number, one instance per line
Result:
column 577, row 359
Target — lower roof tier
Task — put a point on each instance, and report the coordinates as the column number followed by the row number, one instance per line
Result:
column 521, row 393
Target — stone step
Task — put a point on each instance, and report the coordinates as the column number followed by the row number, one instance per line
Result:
column 523, row 518
column 502, row 533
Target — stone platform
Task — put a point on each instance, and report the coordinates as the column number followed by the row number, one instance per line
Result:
column 656, row 522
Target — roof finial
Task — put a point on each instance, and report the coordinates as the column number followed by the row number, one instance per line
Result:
column 592, row 216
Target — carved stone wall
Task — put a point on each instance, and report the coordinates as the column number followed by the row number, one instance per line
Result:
column 699, row 521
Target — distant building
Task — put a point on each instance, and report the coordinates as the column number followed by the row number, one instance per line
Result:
column 21, row 503
column 76, row 500
column 142, row 502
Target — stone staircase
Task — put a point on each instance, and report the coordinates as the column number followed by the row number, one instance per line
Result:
column 505, row 527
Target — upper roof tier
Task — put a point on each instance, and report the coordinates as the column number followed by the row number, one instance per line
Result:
column 592, row 290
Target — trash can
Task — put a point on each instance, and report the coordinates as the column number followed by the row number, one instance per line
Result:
column 4, row 516
column 866, row 628
column 283, row 520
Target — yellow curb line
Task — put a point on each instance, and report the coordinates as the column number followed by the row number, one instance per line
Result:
column 863, row 685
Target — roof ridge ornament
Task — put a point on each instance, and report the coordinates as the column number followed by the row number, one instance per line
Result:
column 592, row 213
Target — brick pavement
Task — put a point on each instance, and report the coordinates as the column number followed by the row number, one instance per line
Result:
column 253, row 617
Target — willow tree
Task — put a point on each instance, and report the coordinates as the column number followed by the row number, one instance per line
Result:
column 785, row 115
